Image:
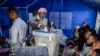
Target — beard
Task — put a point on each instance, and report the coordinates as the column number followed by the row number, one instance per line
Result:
column 89, row 44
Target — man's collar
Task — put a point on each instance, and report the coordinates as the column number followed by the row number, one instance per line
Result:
column 16, row 20
column 39, row 17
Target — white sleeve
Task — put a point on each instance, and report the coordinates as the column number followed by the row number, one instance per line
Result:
column 14, row 35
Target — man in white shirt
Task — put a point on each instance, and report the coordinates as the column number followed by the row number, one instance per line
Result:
column 18, row 29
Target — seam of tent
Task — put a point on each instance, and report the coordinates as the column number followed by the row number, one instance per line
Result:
column 3, row 2
column 32, row 3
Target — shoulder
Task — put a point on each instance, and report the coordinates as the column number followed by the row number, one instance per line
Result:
column 19, row 23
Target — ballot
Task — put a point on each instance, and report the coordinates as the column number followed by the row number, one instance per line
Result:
column 49, row 39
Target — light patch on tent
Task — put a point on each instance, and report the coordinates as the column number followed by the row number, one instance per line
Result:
column 54, row 17
column 63, row 20
column 97, row 22
column 66, row 20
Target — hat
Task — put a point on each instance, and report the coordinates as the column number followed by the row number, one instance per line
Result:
column 77, row 27
column 42, row 10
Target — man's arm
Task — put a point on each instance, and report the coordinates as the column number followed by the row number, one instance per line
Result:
column 35, row 23
column 14, row 35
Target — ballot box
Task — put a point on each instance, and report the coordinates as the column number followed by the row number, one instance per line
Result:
column 32, row 51
column 50, row 39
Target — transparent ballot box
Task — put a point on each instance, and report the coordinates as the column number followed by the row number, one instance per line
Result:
column 50, row 39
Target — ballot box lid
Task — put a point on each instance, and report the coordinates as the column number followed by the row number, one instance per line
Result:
column 52, row 32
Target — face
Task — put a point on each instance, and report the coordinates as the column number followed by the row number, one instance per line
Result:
column 84, row 24
column 90, row 40
column 87, row 34
column 12, row 15
column 42, row 14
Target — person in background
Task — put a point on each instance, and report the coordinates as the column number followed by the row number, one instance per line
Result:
column 76, row 33
column 86, row 47
column 94, row 40
column 69, row 49
column 18, row 29
column 82, row 39
column 34, row 14
column 53, row 25
column 40, row 21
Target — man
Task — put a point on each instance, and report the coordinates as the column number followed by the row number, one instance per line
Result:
column 82, row 39
column 17, row 30
column 94, row 41
column 40, row 21
column 86, row 46
column 34, row 15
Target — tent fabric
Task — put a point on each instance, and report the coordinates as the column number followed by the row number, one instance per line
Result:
column 66, row 14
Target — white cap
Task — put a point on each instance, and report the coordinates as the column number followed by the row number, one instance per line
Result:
column 77, row 27
column 42, row 10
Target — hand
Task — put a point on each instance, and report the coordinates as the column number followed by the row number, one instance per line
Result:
column 47, row 28
column 40, row 26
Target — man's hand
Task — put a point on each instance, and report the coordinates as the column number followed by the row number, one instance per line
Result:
column 40, row 25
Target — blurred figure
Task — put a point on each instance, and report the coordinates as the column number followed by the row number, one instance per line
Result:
column 81, row 31
column 30, row 40
column 81, row 40
column 53, row 26
column 34, row 14
column 86, row 51
column 18, row 29
column 94, row 41
column 69, row 49
column 76, row 33
column 39, row 21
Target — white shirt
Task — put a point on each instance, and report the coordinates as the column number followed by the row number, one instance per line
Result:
column 17, row 32
column 44, row 21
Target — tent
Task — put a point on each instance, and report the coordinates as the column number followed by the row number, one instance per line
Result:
column 66, row 14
